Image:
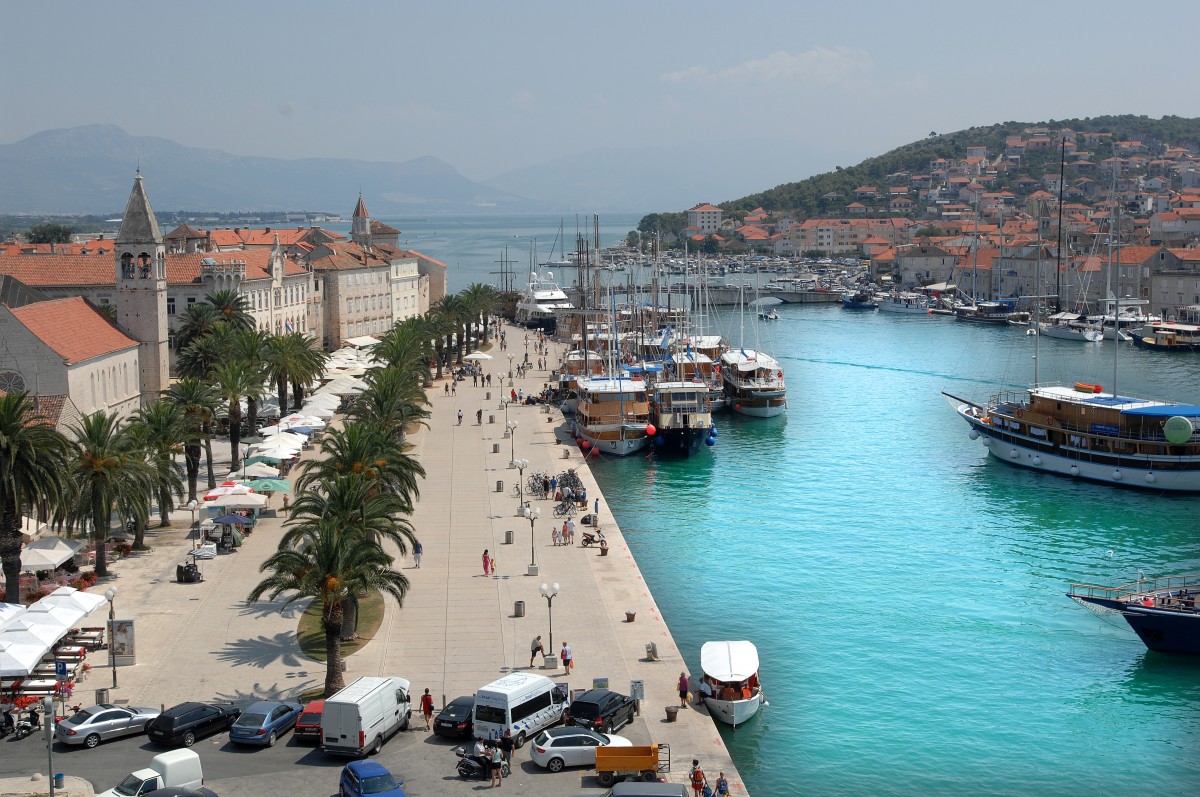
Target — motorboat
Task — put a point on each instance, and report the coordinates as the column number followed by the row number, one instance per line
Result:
column 767, row 314
column 540, row 303
column 903, row 302
column 858, row 300
column 989, row 312
column 1168, row 336
column 1071, row 326
column 754, row 383
column 731, row 671
column 612, row 414
column 1082, row 432
column 1161, row 611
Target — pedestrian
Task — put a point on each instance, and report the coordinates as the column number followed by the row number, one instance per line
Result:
column 474, row 379
column 596, row 511
column 521, row 396
column 487, row 563
column 494, row 566
column 427, row 709
column 545, row 488
column 553, row 485
column 497, row 767
column 460, row 417
column 512, row 394
column 570, row 531
column 697, row 779
column 535, row 647
column 417, row 551
column 567, row 659
column 489, row 380
column 453, row 386
column 479, row 417
column 722, row 784
column 446, row 388
column 565, row 532
column 556, row 535
column 506, row 745
column 683, row 685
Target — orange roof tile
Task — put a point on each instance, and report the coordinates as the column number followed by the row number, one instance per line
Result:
column 73, row 328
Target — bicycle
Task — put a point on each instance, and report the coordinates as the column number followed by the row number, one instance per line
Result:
column 566, row 509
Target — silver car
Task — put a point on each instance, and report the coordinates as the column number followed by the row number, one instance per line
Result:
column 556, row 748
column 93, row 725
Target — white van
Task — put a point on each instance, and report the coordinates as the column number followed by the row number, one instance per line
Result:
column 360, row 718
column 521, row 702
column 177, row 768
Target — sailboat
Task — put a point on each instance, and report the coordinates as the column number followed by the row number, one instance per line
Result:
column 754, row 383
column 559, row 241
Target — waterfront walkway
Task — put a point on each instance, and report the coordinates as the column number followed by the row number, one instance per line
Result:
column 457, row 630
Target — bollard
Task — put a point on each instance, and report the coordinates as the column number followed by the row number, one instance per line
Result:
column 499, row 486
column 491, row 419
column 487, row 396
column 518, row 607
column 495, row 448
column 508, row 537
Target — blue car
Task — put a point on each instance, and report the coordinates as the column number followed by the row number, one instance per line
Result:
column 264, row 722
column 369, row 777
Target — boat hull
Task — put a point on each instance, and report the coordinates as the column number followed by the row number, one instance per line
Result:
column 903, row 307
column 734, row 712
column 1161, row 630
column 619, row 447
column 1152, row 345
column 680, row 442
column 1137, row 472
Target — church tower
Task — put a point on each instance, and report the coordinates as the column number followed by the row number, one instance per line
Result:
column 142, row 290
column 360, row 225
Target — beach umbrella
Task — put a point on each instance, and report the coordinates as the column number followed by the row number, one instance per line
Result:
column 478, row 356
column 272, row 485
column 234, row 520
column 19, row 658
column 260, row 456
column 74, row 598
column 240, row 501
column 258, row 470
column 224, row 490
column 55, row 616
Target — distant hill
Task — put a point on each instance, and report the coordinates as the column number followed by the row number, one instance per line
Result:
column 808, row 198
column 88, row 170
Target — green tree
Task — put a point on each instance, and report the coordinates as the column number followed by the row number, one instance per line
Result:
column 480, row 301
column 233, row 309
column 198, row 402
column 196, row 321
column 33, row 466
column 292, row 358
column 369, row 452
column 253, row 347
column 157, row 428
column 235, row 381
column 50, row 233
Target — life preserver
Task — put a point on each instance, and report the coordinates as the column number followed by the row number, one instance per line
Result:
column 1020, row 413
column 1049, row 420
column 779, row 374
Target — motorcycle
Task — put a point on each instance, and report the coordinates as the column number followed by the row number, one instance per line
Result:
column 26, row 726
column 591, row 538
column 7, row 725
column 471, row 766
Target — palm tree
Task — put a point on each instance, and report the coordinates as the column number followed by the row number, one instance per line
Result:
column 33, row 465
column 157, row 429
column 107, row 470
column 454, row 309
column 292, row 358
column 481, row 300
column 233, row 309
column 203, row 354
column 198, row 401
column 195, row 322
column 369, row 452
column 393, row 400
column 323, row 560
column 252, row 348
column 440, row 328
column 234, row 381
column 408, row 346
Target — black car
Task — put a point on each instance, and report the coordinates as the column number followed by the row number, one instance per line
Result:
column 601, row 710
column 455, row 719
column 187, row 722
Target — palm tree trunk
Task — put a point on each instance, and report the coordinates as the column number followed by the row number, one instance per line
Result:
column 349, row 631
column 281, row 394
column 439, row 347
column 139, row 533
column 252, row 414
column 10, row 552
column 332, row 623
column 235, row 436
column 164, row 508
column 485, row 329
column 297, row 394
column 191, row 462
column 212, row 477
column 100, row 520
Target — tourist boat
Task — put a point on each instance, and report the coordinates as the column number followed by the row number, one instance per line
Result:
column 904, row 302
column 732, row 671
column 1071, row 326
column 692, row 365
column 681, row 415
column 613, row 414
column 990, row 312
column 858, row 300
column 1120, row 323
column 1161, row 611
column 754, row 383
column 1168, row 336
column 1085, row 433
column 539, row 304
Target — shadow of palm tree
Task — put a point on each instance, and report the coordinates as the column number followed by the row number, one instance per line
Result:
column 271, row 608
column 262, row 651
column 259, row 691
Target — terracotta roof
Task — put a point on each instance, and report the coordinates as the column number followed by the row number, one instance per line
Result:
column 360, row 210
column 379, row 228
column 183, row 232
column 348, row 257
column 414, row 253
column 73, row 328
column 89, row 270
column 705, row 207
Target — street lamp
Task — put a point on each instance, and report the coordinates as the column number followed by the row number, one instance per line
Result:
column 548, row 593
column 512, row 441
column 192, row 508
column 520, row 465
column 532, row 514
column 510, row 371
column 109, row 595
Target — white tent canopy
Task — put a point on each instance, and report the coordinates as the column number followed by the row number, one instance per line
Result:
column 48, row 553
column 248, row 501
column 364, row 340
column 53, row 615
column 70, row 597
column 258, row 469
column 18, row 659
column 729, row 661
column 24, row 632
column 9, row 612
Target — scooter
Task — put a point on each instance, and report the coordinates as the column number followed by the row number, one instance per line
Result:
column 31, row 722
column 469, row 766
column 593, row 538
column 7, row 725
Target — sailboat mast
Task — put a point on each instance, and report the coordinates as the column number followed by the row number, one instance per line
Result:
column 1114, row 230
column 1062, row 175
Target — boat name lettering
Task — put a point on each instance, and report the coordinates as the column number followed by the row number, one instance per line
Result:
column 1105, row 429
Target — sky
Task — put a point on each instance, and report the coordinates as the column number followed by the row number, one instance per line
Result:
column 790, row 87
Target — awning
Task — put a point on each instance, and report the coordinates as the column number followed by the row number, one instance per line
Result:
column 250, row 501
column 729, row 661
column 74, row 598
column 47, row 553
column 234, row 520
column 360, row 342
column 19, row 658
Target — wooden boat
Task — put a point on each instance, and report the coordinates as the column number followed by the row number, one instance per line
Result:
column 1161, row 611
column 1168, row 336
column 613, row 414
column 731, row 670
column 754, row 383
column 682, row 416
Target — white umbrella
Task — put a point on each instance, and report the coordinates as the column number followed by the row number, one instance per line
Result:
column 261, row 469
column 317, row 411
column 47, row 553
column 74, row 598
column 10, row 612
column 247, row 501
column 323, row 400
column 18, row 658
column 23, row 631
column 54, row 614
column 224, row 490
column 478, row 356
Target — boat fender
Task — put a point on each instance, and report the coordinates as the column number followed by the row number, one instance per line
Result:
column 1150, row 478
column 1074, row 470
column 1116, row 475
column 779, row 374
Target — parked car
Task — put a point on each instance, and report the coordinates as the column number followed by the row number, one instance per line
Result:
column 455, row 719
column 185, row 723
column 264, row 722
column 601, row 709
column 309, row 724
column 94, row 724
column 364, row 777
column 556, row 748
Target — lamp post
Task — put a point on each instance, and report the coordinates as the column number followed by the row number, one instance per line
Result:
column 532, row 514
column 548, row 592
column 192, row 508
column 512, row 441
column 109, row 595
column 520, row 465
column 510, row 371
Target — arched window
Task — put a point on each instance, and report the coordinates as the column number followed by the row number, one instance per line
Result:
column 144, row 263
column 127, row 265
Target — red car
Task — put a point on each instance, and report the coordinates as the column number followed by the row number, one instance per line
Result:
column 309, row 724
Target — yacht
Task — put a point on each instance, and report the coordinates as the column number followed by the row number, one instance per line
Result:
column 903, row 302
column 539, row 304
column 731, row 669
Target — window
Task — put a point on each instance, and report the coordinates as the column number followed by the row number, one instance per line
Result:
column 531, row 706
column 170, row 305
column 349, row 305
column 490, row 714
column 191, row 300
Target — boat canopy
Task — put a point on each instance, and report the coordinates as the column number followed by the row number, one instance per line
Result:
column 729, row 661
column 1165, row 411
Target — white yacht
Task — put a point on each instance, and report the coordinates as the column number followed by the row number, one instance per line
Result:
column 731, row 669
column 903, row 302
column 540, row 302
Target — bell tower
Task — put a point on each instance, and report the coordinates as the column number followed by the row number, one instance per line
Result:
column 142, row 290
column 360, row 225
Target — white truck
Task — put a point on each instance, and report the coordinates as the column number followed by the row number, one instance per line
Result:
column 177, row 768
column 360, row 718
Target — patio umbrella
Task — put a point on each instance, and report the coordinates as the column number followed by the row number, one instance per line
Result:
column 10, row 612
column 47, row 553
column 478, row 356
column 272, row 485
column 55, row 616
column 317, row 411
column 258, row 470
column 19, row 658
column 74, row 598
column 248, row 501
column 224, row 490
column 33, row 633
column 234, row 520
column 260, row 456
column 304, row 430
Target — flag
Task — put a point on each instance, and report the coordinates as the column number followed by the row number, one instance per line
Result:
column 287, row 325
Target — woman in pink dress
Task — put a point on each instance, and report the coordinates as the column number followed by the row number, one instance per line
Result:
column 487, row 563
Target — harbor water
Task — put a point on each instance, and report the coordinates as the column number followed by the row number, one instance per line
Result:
column 904, row 590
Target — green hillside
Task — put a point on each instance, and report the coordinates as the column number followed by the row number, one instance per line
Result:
column 808, row 198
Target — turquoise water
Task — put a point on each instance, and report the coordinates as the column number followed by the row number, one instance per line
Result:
column 906, row 592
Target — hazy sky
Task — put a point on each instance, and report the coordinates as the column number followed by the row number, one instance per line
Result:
column 492, row 86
